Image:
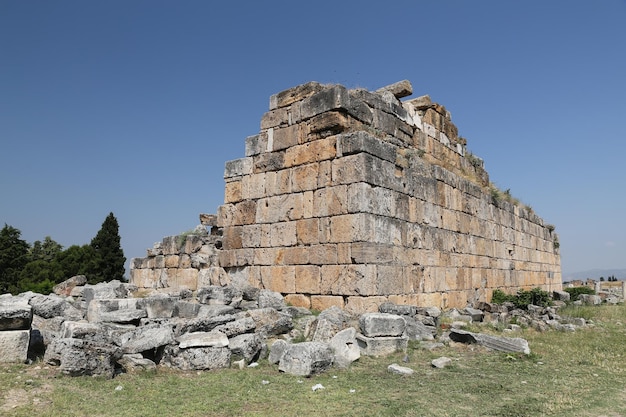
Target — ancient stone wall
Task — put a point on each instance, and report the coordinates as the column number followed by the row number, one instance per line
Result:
column 353, row 198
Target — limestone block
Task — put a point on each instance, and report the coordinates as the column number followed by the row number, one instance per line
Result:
column 381, row 346
column 279, row 278
column 271, row 161
column 307, row 358
column 268, row 321
column 358, row 142
column 323, row 254
column 296, row 256
column 238, row 167
column 183, row 278
column 298, row 300
column 171, row 261
column 358, row 305
column 330, row 201
column 283, row 234
column 322, row 302
column 345, row 348
column 146, row 338
column 399, row 90
column 15, row 316
column 275, row 118
column 391, row 280
column 14, row 346
column 159, row 306
column 504, row 344
column 278, row 182
column 184, row 261
column 363, row 167
column 315, row 151
column 253, row 186
column 307, row 231
column 65, row 287
column 201, row 358
column 381, row 324
column 329, row 123
column 202, row 339
column 304, row 177
column 292, row 95
column 357, row 227
column 349, row 280
column 330, row 98
column 307, row 279
column 276, row 351
column 256, row 144
column 246, row 346
column 286, row 137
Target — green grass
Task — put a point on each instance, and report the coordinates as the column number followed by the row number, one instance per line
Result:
column 578, row 373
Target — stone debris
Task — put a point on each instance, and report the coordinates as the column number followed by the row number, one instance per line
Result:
column 223, row 336
column 400, row 370
column 441, row 362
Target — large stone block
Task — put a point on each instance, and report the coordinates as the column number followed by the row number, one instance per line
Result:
column 322, row 302
column 14, row 346
column 279, row 278
column 306, row 359
column 330, row 98
column 381, row 325
column 381, row 346
column 15, row 316
column 294, row 94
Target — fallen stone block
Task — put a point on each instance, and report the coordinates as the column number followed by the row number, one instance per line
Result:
column 561, row 295
column 120, row 310
column 202, row 339
column 49, row 306
column 246, row 346
column 381, row 346
column 201, row 358
column 186, row 309
column 400, row 370
column 590, row 299
column 15, row 316
column 76, row 357
column 107, row 290
column 345, row 347
column 14, row 346
column 204, row 324
column 269, row 321
column 277, row 350
column 399, row 310
column 272, row 299
column 306, row 359
column 381, row 325
column 504, row 344
column 441, row 362
column 79, row 330
column 146, row 338
column 135, row 362
column 215, row 294
column 237, row 327
column 158, row 306
column 416, row 330
column 65, row 288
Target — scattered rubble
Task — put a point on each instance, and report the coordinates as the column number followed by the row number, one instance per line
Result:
column 219, row 327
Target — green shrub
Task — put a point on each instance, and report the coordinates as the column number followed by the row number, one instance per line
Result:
column 536, row 296
column 574, row 292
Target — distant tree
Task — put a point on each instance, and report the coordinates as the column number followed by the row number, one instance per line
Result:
column 47, row 250
column 14, row 255
column 109, row 254
column 78, row 260
column 602, row 278
column 40, row 276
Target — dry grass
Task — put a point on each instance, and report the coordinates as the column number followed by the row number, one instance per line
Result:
column 568, row 374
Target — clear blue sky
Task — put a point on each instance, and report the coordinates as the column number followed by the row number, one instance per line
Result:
column 134, row 106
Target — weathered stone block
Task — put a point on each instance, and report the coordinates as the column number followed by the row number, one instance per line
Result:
column 306, row 359
column 279, row 278
column 381, row 325
column 307, row 279
column 322, row 302
column 292, row 95
column 381, row 346
column 15, row 316
column 298, row 300
column 238, row 167
column 330, row 98
column 14, row 346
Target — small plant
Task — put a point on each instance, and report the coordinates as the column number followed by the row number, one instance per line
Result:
column 182, row 238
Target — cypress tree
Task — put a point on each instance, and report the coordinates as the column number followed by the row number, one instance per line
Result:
column 110, row 258
column 14, row 255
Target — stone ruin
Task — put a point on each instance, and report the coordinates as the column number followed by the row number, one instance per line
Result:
column 352, row 198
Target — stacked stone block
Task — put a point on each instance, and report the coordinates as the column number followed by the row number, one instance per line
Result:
column 15, row 322
column 185, row 261
column 353, row 198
